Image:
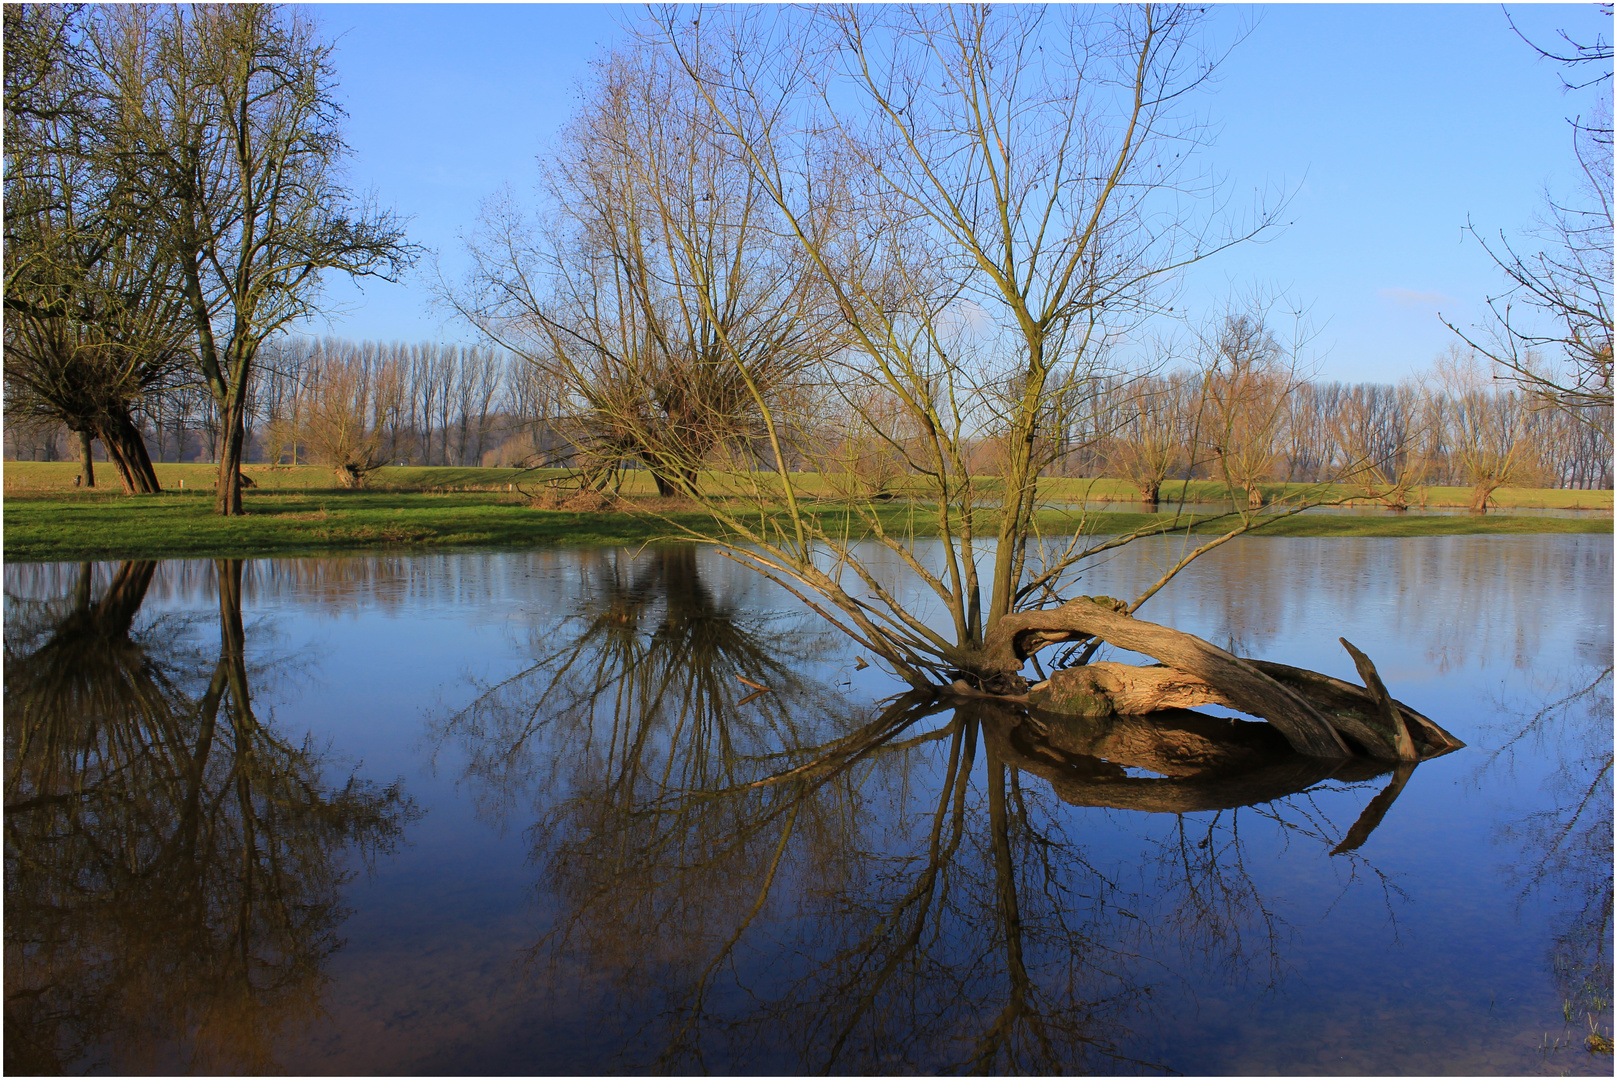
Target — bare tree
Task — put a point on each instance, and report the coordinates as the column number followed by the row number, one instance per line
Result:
column 1487, row 428
column 344, row 414
column 1249, row 377
column 1380, row 430
column 1156, row 418
column 229, row 119
column 1005, row 201
column 1551, row 330
column 95, row 319
column 666, row 299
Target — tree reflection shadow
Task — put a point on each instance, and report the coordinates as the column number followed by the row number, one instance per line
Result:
column 787, row 882
column 1567, row 846
column 174, row 866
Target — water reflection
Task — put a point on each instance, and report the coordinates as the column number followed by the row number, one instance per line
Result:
column 1565, row 850
column 696, row 876
column 774, row 880
column 174, row 865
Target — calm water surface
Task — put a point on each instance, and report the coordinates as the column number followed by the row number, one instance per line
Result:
column 521, row 813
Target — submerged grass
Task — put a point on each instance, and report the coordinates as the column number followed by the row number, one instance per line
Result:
column 284, row 519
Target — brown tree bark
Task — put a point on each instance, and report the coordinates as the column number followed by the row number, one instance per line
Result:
column 87, row 469
column 232, row 431
column 1345, row 703
column 120, row 432
column 1244, row 686
column 115, row 456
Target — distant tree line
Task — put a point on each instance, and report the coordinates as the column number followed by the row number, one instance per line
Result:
column 354, row 406
column 1453, row 427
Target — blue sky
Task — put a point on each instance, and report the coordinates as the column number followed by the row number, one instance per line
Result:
column 1392, row 125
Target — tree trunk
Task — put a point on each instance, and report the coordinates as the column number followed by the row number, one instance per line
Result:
column 227, row 485
column 87, row 470
column 125, row 443
column 115, row 455
column 1246, row 688
column 1383, row 728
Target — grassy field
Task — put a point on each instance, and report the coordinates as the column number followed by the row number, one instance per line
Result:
column 296, row 511
column 56, row 477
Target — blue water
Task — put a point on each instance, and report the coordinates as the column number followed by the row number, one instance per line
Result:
column 518, row 813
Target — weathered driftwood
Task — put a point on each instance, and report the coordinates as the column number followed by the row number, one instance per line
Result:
column 1299, row 703
column 1112, row 689
column 1108, row 689
column 1346, row 705
column 1244, row 686
column 1391, row 723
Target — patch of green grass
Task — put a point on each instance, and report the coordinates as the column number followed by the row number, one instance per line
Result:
column 1214, row 491
column 287, row 521
column 56, row 477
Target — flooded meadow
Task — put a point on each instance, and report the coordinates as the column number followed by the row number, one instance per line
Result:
column 602, row 810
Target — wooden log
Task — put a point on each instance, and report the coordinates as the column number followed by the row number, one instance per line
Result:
column 1343, row 703
column 1113, row 689
column 1107, row 689
column 1248, row 689
column 1403, row 746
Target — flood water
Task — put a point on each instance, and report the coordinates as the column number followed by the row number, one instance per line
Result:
column 520, row 814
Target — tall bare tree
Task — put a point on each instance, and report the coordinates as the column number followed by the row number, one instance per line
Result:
column 665, row 297
column 229, row 119
column 95, row 319
column 1156, row 421
column 1249, row 376
column 1487, row 435
column 1007, row 187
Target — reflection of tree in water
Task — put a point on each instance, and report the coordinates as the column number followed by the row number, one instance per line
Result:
column 652, row 670
column 1567, row 848
column 783, row 882
column 174, row 867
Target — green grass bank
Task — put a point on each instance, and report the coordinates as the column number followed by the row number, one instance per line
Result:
column 295, row 511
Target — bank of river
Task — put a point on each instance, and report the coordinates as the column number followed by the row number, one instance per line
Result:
column 285, row 522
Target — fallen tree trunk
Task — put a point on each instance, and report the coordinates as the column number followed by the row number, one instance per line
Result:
column 1299, row 703
column 1346, row 705
column 1109, row 689
column 1242, row 685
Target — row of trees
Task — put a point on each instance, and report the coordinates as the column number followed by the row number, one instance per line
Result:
column 1244, row 419
column 172, row 201
column 1454, row 426
column 358, row 406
